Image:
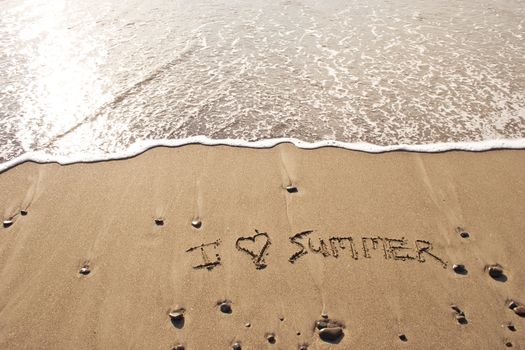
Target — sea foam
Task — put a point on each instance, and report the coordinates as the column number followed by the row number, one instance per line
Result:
column 140, row 147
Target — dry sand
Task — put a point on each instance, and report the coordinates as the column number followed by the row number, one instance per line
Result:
column 397, row 215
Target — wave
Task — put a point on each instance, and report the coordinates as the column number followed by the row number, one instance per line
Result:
column 141, row 147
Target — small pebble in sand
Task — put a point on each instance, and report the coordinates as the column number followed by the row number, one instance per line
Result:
column 292, row 189
column 519, row 310
column 177, row 315
column 459, row 269
column 159, row 222
column 321, row 324
column 85, row 270
column 460, row 315
column 495, row 271
column 403, row 337
column 271, row 338
column 23, row 212
column 225, row 307
column 464, row 234
column 7, row 223
column 196, row 223
column 331, row 334
column 236, row 346
column 461, row 319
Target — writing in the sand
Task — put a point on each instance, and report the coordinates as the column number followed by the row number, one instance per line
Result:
column 257, row 248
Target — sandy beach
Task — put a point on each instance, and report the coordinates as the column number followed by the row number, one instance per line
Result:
column 204, row 247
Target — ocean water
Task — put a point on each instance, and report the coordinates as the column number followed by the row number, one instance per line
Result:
column 85, row 80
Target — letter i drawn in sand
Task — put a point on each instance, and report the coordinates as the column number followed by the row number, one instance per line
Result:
column 207, row 263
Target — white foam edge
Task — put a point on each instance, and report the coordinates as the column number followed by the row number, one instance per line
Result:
column 142, row 146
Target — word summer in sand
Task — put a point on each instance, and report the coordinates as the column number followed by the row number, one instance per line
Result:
column 258, row 247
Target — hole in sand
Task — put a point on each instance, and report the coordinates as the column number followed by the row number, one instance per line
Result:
column 7, row 223
column 178, row 347
column 281, row 319
column 23, row 212
column 292, row 189
column 403, row 337
column 271, row 338
column 159, row 222
column 236, row 346
column 298, row 333
column 247, row 325
column 511, row 327
column 196, row 224
column 303, row 347
column 508, row 344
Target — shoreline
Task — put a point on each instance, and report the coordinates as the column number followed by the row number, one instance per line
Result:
column 106, row 251
column 139, row 148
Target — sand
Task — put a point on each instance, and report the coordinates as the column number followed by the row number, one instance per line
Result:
column 106, row 251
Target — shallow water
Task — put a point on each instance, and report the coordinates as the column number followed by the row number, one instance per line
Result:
column 92, row 78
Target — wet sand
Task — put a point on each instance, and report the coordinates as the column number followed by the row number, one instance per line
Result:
column 218, row 248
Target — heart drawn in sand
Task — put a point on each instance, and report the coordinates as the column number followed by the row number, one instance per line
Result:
column 260, row 239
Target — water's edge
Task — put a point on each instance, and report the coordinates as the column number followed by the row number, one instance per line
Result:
column 141, row 147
